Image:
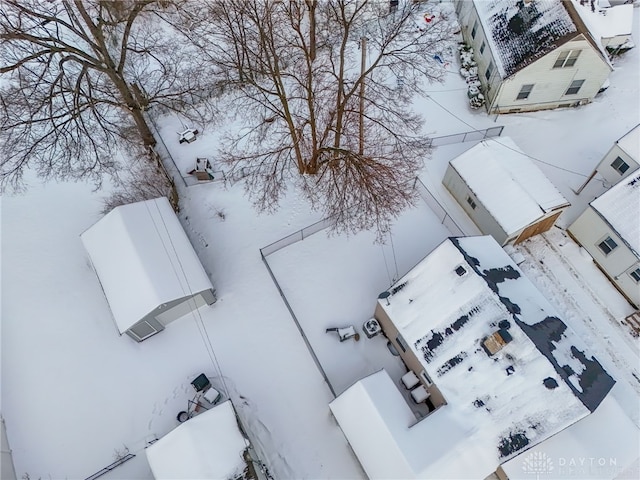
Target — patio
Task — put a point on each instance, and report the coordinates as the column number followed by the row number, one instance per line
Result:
column 351, row 297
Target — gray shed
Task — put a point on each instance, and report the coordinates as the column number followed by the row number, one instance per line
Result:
column 148, row 269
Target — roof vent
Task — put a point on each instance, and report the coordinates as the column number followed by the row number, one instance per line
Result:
column 550, row 383
column 397, row 288
column 460, row 270
column 495, row 342
column 504, row 325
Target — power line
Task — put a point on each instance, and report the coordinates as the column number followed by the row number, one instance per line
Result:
column 506, row 146
column 202, row 329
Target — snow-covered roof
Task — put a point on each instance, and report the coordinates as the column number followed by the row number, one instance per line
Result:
column 143, row 259
column 510, row 186
column 520, row 33
column 541, row 382
column 606, row 22
column 383, row 432
column 601, row 445
column 620, row 207
column 630, row 142
column 207, row 446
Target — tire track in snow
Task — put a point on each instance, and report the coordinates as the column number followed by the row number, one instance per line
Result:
column 626, row 333
column 544, row 274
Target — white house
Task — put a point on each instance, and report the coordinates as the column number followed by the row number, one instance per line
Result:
column 503, row 191
column 502, row 371
column 622, row 159
column 209, row 446
column 147, row 267
column 609, row 229
column 533, row 54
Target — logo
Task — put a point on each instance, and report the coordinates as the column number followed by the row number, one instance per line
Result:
column 537, row 463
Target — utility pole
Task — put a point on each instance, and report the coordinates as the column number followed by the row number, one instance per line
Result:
column 363, row 66
column 593, row 174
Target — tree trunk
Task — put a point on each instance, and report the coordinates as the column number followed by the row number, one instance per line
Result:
column 143, row 128
column 311, row 5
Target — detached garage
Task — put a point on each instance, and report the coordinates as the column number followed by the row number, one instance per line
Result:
column 503, row 191
column 147, row 267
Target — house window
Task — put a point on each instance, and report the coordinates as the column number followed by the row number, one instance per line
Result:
column 482, row 48
column 607, row 245
column 525, row 91
column 474, row 30
column 567, row 58
column 489, row 71
column 619, row 165
column 635, row 274
column 574, row 87
column 401, row 343
column 471, row 202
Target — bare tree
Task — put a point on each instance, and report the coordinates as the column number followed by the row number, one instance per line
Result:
column 323, row 92
column 77, row 77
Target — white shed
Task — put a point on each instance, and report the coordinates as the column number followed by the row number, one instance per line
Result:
column 208, row 446
column 147, row 267
column 503, row 191
column 612, row 25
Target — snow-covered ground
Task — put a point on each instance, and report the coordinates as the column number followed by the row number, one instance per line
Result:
column 75, row 394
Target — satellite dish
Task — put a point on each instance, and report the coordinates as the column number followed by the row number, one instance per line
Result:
column 385, row 295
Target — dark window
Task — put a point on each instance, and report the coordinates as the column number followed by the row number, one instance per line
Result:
column 489, row 71
column 635, row 275
column 525, row 91
column 607, row 245
column 574, row 87
column 471, row 202
column 401, row 343
column 474, row 30
column 619, row 165
column 482, row 48
column 567, row 58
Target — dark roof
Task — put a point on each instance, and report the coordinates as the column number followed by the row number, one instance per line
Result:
column 551, row 336
column 523, row 32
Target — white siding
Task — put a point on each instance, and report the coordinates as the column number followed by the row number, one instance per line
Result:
column 611, row 175
column 467, row 17
column 551, row 84
column 589, row 230
column 480, row 215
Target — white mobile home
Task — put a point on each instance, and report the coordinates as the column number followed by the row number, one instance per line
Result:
column 147, row 267
column 532, row 54
column 504, row 193
column 609, row 229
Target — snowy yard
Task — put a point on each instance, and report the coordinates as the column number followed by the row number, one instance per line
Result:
column 75, row 394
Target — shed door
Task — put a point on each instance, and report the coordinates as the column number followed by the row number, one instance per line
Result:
column 143, row 330
column 537, row 228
